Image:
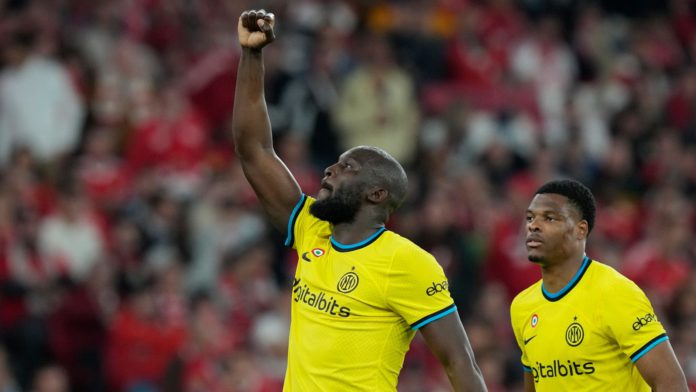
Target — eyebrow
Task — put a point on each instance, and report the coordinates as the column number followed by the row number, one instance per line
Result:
column 544, row 212
column 350, row 159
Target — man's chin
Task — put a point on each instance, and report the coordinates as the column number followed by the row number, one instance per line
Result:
column 535, row 258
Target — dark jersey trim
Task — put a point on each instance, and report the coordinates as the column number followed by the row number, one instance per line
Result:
column 573, row 282
column 648, row 346
column 347, row 248
column 434, row 316
column 293, row 219
column 526, row 368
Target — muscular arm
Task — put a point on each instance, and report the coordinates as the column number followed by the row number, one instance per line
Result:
column 660, row 369
column 448, row 341
column 251, row 128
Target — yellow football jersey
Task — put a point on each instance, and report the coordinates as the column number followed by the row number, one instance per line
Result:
column 587, row 336
column 356, row 308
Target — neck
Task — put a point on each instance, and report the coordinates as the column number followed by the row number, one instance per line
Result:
column 557, row 275
column 354, row 232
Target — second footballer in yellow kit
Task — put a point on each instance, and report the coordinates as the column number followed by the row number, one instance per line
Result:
column 588, row 334
column 360, row 303
column 584, row 326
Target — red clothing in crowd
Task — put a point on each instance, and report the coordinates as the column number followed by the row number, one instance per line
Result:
column 106, row 182
column 177, row 145
column 507, row 261
column 139, row 350
column 654, row 272
column 78, row 316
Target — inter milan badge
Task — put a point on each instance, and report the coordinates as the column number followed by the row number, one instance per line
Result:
column 348, row 282
column 534, row 321
column 575, row 333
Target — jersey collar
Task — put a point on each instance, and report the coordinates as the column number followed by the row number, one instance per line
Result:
column 349, row 247
column 573, row 282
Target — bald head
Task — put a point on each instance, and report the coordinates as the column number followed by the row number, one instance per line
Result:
column 383, row 171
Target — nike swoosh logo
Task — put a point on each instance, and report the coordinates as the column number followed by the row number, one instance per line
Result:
column 529, row 340
column 305, row 258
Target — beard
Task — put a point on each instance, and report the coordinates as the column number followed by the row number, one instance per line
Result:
column 341, row 207
column 537, row 259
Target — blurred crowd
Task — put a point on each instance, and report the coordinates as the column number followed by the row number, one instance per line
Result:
column 134, row 256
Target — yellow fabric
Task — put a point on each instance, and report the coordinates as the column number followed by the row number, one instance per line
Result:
column 355, row 310
column 589, row 336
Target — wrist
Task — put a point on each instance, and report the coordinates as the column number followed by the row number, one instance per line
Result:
column 251, row 51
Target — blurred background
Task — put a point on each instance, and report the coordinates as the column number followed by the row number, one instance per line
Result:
column 134, row 256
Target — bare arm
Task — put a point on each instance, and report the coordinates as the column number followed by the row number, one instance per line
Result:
column 251, row 128
column 660, row 369
column 448, row 341
column 529, row 382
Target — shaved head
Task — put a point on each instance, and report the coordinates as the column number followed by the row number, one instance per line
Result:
column 383, row 171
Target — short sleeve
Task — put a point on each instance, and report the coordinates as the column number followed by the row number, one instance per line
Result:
column 297, row 212
column 303, row 225
column 417, row 288
column 631, row 319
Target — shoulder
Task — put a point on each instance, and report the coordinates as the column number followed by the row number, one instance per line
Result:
column 526, row 297
column 404, row 248
column 524, row 304
column 607, row 279
column 406, row 258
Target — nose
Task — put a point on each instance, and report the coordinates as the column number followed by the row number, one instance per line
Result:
column 532, row 225
column 330, row 171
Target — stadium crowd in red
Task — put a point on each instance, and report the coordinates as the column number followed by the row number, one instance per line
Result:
column 134, row 256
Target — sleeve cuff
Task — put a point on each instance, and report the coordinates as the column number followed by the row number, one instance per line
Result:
column 648, row 346
column 434, row 316
column 290, row 239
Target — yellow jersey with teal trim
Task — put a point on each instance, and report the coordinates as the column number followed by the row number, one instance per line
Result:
column 588, row 336
column 356, row 308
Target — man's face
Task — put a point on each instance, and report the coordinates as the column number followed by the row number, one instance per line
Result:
column 342, row 191
column 553, row 231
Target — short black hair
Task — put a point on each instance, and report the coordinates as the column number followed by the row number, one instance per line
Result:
column 578, row 195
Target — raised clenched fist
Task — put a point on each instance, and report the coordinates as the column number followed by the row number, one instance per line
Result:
column 255, row 29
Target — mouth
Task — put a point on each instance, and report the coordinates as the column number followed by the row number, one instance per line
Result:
column 325, row 190
column 327, row 186
column 533, row 243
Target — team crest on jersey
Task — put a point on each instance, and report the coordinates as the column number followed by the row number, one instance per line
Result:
column 534, row 321
column 318, row 252
column 348, row 282
column 575, row 334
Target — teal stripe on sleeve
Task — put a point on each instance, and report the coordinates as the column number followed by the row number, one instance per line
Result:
column 291, row 222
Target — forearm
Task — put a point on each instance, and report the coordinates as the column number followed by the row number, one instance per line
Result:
column 465, row 375
column 251, row 128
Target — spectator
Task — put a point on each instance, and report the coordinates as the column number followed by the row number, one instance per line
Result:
column 377, row 104
column 172, row 142
column 70, row 241
column 139, row 344
column 51, row 378
column 545, row 61
column 39, row 108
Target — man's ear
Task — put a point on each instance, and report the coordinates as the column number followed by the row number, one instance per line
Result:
column 582, row 229
column 377, row 195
